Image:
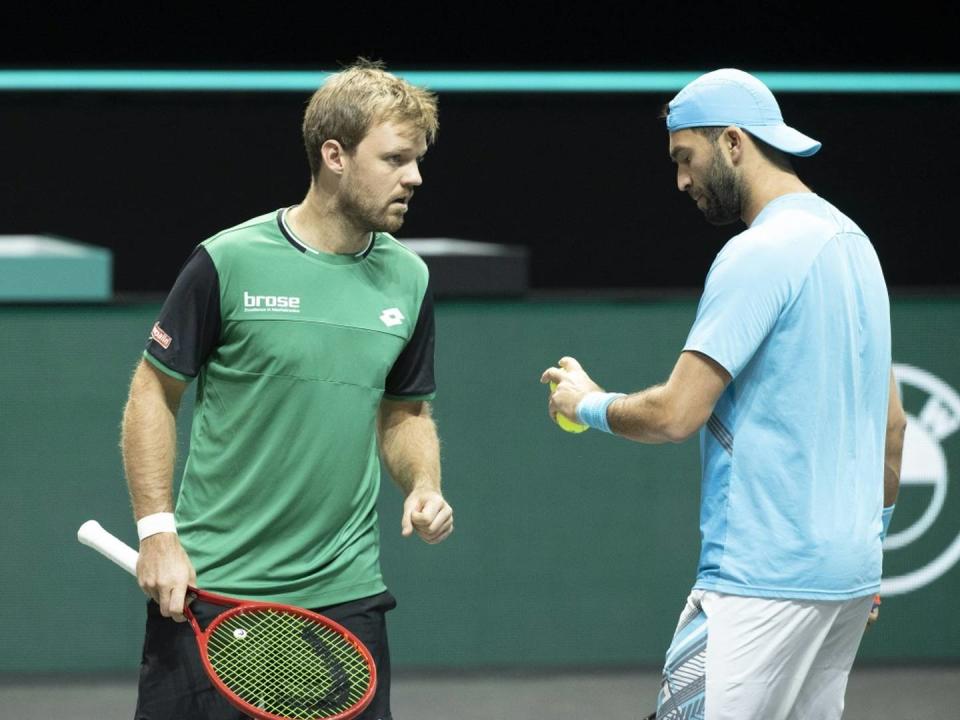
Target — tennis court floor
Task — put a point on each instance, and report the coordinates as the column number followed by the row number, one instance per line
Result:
column 874, row 693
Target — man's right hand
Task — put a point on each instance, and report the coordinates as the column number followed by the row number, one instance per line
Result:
column 164, row 571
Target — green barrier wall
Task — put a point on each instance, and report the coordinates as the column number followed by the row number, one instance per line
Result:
column 569, row 550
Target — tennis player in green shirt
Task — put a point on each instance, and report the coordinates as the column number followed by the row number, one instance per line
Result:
column 310, row 333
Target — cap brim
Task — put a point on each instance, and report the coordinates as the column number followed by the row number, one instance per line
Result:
column 785, row 138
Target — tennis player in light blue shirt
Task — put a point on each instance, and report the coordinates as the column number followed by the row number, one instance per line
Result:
column 786, row 373
column 795, row 309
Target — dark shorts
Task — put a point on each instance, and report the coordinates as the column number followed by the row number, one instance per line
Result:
column 174, row 686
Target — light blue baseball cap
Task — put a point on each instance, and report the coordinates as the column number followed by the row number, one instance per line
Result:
column 733, row 97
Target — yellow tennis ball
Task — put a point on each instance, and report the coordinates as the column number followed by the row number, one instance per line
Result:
column 566, row 424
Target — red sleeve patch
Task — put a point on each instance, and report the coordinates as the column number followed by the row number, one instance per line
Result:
column 160, row 337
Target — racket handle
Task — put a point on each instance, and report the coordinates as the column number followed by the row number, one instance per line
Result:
column 92, row 534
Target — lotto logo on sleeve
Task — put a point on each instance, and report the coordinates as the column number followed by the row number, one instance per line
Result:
column 160, row 337
column 270, row 303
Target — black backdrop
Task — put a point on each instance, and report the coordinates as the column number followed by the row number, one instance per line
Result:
column 582, row 180
column 644, row 34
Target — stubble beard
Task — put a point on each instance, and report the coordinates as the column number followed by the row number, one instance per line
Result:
column 363, row 213
column 723, row 193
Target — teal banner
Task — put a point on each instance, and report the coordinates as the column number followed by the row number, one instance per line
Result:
column 569, row 550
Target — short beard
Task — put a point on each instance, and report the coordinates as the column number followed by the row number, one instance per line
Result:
column 356, row 206
column 723, row 193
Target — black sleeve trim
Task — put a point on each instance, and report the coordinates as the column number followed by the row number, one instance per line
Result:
column 412, row 373
column 188, row 328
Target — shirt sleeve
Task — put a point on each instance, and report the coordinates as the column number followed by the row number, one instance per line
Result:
column 745, row 293
column 411, row 377
column 188, row 328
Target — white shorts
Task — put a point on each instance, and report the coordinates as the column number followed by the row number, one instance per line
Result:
column 742, row 658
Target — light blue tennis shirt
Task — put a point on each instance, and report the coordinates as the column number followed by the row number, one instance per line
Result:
column 796, row 309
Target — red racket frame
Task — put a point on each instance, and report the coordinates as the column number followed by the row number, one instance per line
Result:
column 92, row 534
column 239, row 607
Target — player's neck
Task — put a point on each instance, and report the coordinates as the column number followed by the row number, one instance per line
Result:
column 319, row 224
column 766, row 187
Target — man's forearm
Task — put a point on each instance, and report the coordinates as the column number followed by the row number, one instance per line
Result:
column 891, row 467
column 148, row 442
column 893, row 449
column 647, row 417
column 411, row 451
column 673, row 411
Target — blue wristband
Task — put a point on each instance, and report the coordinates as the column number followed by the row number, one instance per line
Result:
column 887, row 514
column 592, row 409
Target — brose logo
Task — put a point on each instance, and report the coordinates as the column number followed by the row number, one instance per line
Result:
column 270, row 303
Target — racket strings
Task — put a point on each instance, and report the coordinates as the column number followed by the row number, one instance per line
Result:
column 288, row 665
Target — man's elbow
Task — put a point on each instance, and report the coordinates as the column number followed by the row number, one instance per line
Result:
column 149, row 386
column 679, row 425
column 900, row 423
column 896, row 427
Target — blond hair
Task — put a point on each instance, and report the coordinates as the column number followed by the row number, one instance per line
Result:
column 362, row 95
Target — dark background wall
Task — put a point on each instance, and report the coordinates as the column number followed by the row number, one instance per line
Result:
column 655, row 34
column 582, row 180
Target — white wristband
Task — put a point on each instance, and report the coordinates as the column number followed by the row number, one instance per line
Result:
column 157, row 523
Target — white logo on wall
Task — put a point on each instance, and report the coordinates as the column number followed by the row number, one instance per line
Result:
column 391, row 317
column 925, row 466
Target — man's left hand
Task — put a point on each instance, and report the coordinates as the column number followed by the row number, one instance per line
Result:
column 874, row 611
column 427, row 513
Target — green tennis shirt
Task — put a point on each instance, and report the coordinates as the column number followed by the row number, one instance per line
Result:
column 293, row 351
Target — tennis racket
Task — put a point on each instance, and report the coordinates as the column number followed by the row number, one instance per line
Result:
column 272, row 662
